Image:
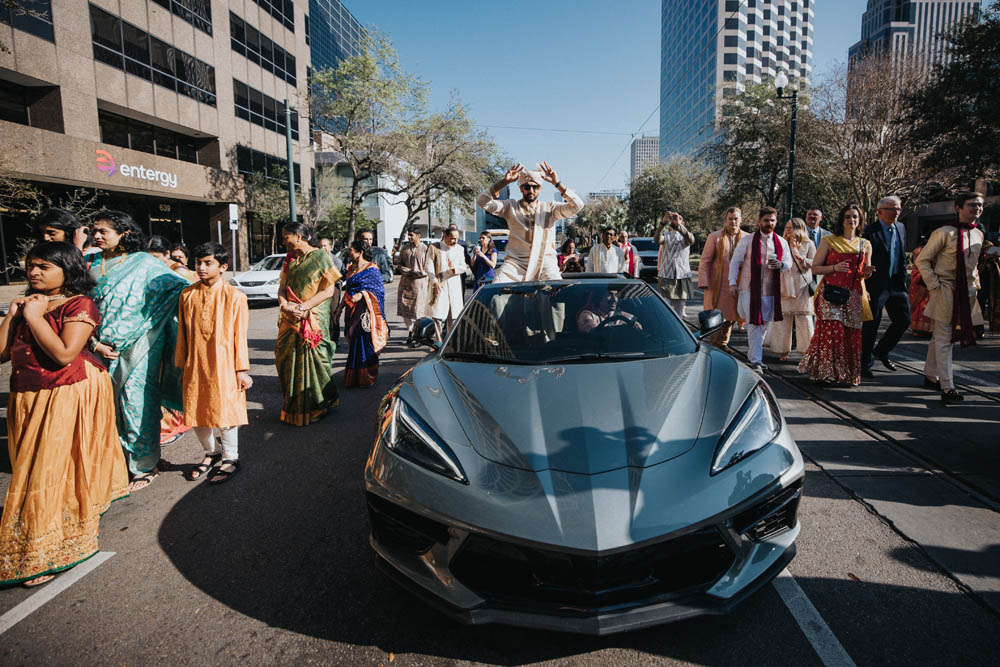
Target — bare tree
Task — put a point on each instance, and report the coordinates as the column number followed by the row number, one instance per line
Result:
column 862, row 111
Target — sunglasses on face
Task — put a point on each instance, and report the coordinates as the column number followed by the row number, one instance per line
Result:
column 530, row 186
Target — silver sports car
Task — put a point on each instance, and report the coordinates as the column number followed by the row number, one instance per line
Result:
column 573, row 458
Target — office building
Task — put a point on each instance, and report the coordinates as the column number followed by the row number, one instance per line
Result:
column 645, row 153
column 910, row 29
column 620, row 195
column 709, row 49
column 333, row 33
column 161, row 104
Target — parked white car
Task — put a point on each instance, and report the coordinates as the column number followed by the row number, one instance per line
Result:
column 260, row 283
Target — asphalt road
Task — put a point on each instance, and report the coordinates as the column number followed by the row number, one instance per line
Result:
column 896, row 556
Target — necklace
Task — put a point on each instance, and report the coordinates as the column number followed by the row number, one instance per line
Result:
column 529, row 208
column 104, row 263
column 56, row 297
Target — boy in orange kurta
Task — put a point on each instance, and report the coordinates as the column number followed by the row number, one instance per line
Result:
column 212, row 351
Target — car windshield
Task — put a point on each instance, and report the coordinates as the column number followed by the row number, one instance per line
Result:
column 272, row 263
column 567, row 322
column 644, row 245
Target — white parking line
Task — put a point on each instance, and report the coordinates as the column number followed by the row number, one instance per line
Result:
column 52, row 589
column 823, row 641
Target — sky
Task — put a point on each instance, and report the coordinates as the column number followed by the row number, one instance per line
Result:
column 585, row 73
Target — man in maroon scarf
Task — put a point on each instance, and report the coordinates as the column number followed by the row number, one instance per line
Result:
column 947, row 265
column 755, row 281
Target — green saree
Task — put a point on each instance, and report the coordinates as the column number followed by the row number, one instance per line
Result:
column 303, row 352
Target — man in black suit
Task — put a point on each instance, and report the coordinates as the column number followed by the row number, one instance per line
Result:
column 888, row 287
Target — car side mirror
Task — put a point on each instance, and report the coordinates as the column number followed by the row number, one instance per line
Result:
column 709, row 321
column 425, row 332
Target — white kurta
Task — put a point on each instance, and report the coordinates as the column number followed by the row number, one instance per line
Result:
column 531, row 251
column 603, row 259
column 740, row 270
column 448, row 269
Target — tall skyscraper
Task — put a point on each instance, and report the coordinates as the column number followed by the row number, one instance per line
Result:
column 710, row 48
column 333, row 33
column 645, row 153
column 910, row 28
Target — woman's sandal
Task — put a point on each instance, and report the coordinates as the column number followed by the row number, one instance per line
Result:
column 142, row 480
column 219, row 475
column 38, row 581
column 202, row 468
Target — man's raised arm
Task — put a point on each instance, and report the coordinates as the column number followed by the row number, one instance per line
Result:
column 488, row 200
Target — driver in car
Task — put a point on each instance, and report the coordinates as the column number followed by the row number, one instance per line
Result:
column 605, row 311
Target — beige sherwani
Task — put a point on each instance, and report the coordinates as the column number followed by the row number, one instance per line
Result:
column 447, row 267
column 531, row 252
column 713, row 272
column 414, row 288
column 937, row 266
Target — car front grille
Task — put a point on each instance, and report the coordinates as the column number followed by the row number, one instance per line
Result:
column 774, row 514
column 251, row 283
column 400, row 528
column 521, row 575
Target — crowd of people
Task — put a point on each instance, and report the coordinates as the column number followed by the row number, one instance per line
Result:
column 119, row 347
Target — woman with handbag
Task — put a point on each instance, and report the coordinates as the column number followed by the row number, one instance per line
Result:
column 796, row 294
column 844, row 260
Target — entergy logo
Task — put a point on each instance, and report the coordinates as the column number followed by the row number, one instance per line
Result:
column 105, row 162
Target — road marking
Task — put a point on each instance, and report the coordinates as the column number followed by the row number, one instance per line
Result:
column 823, row 641
column 52, row 589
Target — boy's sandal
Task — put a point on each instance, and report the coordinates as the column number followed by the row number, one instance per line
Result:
column 202, row 468
column 141, row 481
column 219, row 475
column 38, row 581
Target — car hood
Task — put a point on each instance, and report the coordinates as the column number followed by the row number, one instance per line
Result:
column 257, row 276
column 583, row 418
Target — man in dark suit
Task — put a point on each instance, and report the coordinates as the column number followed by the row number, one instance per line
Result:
column 888, row 287
column 814, row 217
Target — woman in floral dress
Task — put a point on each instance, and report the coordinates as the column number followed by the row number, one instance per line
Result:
column 844, row 260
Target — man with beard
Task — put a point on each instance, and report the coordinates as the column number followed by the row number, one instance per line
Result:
column 531, row 253
column 446, row 267
column 757, row 263
column 713, row 273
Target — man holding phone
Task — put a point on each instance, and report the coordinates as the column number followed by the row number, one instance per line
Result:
column 755, row 281
column 673, row 268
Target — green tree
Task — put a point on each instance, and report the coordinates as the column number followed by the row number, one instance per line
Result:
column 690, row 187
column 595, row 215
column 952, row 116
column 336, row 220
column 267, row 200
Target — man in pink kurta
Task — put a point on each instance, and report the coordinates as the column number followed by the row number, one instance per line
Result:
column 713, row 274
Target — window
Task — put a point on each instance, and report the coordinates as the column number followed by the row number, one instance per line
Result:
column 261, row 109
column 196, row 12
column 732, row 5
column 307, row 29
column 250, row 161
column 729, row 59
column 258, row 49
column 126, row 47
column 283, row 11
column 38, row 22
column 138, row 136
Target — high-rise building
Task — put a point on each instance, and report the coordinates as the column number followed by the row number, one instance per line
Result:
column 333, row 33
column 645, row 153
column 164, row 111
column 620, row 195
column 710, row 48
column 910, row 28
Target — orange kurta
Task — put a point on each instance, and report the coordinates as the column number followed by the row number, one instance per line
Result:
column 211, row 348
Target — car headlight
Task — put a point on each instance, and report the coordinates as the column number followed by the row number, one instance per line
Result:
column 755, row 426
column 232, row 281
column 412, row 438
column 275, row 281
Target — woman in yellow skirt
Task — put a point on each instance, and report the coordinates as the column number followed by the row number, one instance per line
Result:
column 68, row 463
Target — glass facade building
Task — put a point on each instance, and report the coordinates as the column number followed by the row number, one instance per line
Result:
column 334, row 33
column 709, row 49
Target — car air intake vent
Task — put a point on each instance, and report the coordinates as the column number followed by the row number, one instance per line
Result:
column 774, row 514
column 398, row 527
column 578, row 584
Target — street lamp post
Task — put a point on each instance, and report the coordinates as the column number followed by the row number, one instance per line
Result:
column 781, row 82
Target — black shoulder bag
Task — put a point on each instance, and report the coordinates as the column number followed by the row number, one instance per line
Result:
column 837, row 295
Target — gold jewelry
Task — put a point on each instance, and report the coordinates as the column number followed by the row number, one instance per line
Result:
column 104, row 262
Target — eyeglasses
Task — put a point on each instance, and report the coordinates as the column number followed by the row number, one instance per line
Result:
column 531, row 186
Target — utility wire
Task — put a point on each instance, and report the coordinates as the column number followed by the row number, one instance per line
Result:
column 669, row 92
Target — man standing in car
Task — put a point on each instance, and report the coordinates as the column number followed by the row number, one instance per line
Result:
column 674, row 263
column 757, row 263
column 531, row 252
